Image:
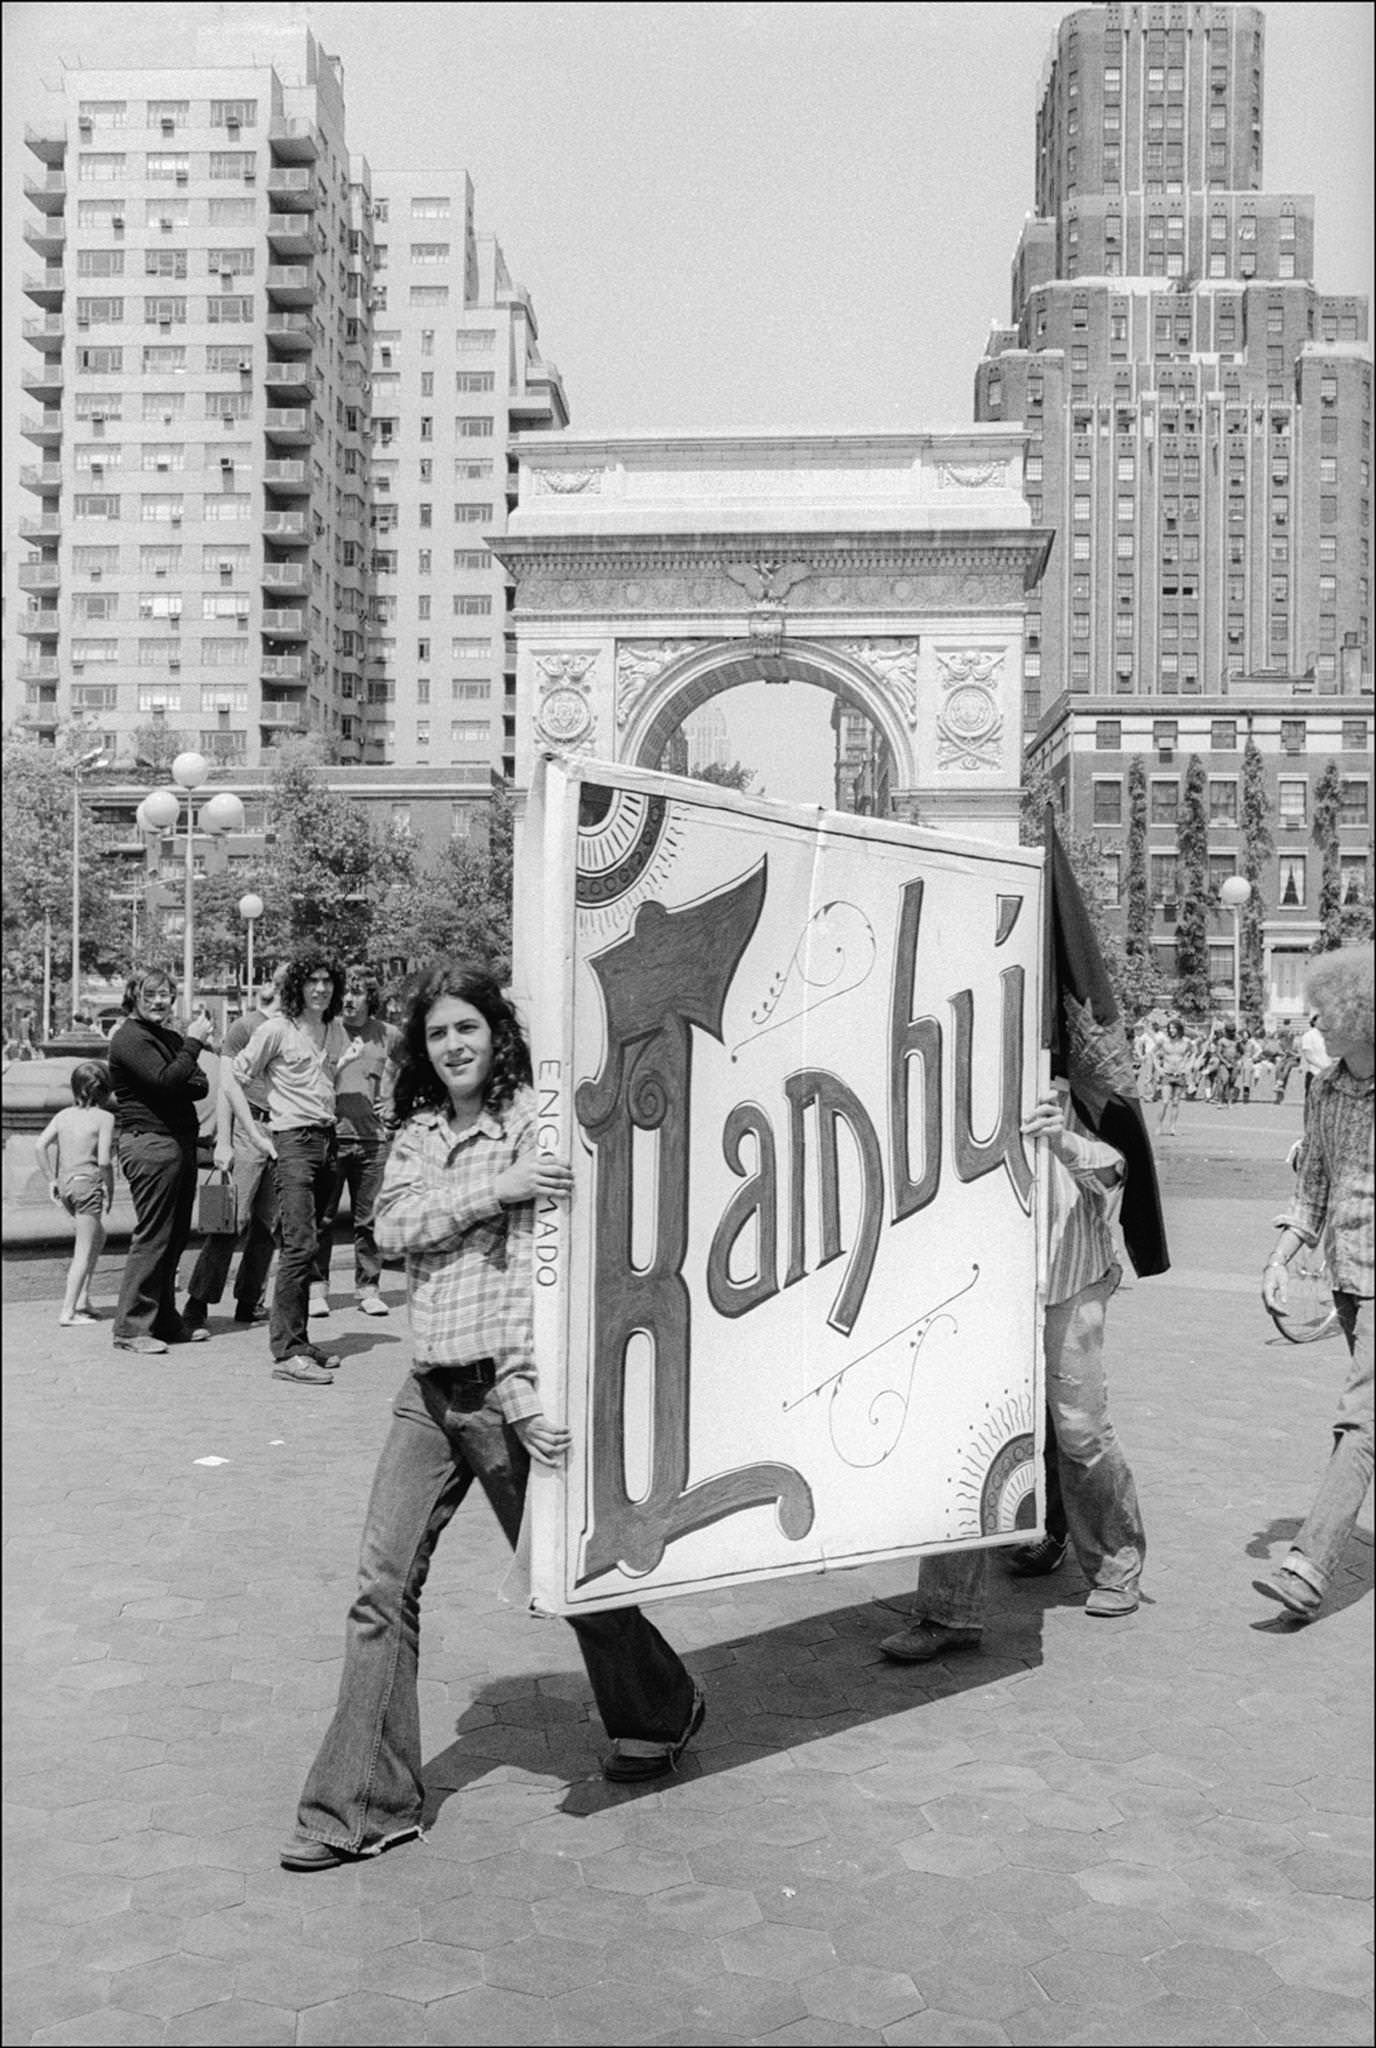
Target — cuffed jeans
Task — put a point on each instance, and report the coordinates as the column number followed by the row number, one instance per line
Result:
column 1318, row 1549
column 304, row 1173
column 1098, row 1494
column 161, row 1172
column 358, row 1165
column 255, row 1196
column 365, row 1788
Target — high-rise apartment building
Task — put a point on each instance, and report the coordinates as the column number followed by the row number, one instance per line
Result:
column 255, row 516
column 1199, row 420
column 456, row 378
column 1199, row 413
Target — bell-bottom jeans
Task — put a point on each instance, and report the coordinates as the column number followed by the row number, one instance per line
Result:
column 1098, row 1494
column 1318, row 1549
column 304, row 1173
column 364, row 1788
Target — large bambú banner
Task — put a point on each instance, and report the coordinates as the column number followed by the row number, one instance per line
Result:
column 790, row 1313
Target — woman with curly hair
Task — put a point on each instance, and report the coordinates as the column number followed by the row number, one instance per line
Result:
column 457, row 1200
column 1334, row 1203
column 295, row 1056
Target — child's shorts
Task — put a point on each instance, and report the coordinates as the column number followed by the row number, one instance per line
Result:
column 83, row 1192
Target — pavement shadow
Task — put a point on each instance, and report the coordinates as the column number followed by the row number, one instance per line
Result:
column 768, row 1692
column 350, row 1347
column 1353, row 1581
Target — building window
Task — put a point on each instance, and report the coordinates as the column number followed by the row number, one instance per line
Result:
column 1292, row 883
column 1161, row 877
column 1354, row 802
column 1165, row 801
column 1352, row 873
column 1108, row 801
column 1292, row 735
column 1354, row 736
column 1292, row 801
column 1223, row 736
column 1223, row 802
column 1108, row 734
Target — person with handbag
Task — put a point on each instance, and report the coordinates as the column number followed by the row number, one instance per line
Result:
column 244, row 1152
column 157, row 1081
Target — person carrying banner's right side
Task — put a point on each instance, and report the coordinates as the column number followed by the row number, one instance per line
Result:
column 1097, row 1487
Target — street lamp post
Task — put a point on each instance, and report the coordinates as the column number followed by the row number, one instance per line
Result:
column 160, row 811
column 79, row 764
column 250, row 910
column 1234, row 895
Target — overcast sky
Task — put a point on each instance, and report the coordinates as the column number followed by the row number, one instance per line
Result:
column 774, row 215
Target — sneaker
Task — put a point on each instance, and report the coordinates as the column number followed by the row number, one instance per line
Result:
column 631, row 1761
column 1037, row 1560
column 145, row 1346
column 372, row 1304
column 320, row 1302
column 927, row 1640
column 304, row 1371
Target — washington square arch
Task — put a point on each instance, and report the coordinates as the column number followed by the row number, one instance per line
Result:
column 889, row 569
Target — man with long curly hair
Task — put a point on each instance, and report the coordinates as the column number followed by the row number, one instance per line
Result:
column 1334, row 1205
column 296, row 1056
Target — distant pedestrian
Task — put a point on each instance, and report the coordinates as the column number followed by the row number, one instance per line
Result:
column 296, row 1056
column 1333, row 1206
column 1287, row 1059
column 1226, row 1064
column 76, row 1151
column 157, row 1081
column 457, row 1199
column 1314, row 1054
column 244, row 1147
column 362, row 1092
column 1176, row 1062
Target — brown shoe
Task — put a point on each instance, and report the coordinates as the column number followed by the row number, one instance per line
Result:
column 927, row 1640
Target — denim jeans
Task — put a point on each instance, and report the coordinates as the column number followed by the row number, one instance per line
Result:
column 255, row 1195
column 1098, row 1495
column 358, row 1165
column 1318, row 1549
column 161, row 1172
column 364, row 1788
column 304, row 1172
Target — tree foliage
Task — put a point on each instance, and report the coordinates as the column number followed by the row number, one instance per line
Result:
column 1137, row 889
column 727, row 775
column 37, row 850
column 1134, row 978
column 1328, row 796
column 1258, row 844
column 333, row 879
column 1192, row 886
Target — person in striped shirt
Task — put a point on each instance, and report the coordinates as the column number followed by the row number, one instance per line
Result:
column 1333, row 1203
column 1098, row 1492
column 456, row 1201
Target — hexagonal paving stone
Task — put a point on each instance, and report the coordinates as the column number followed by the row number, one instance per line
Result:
column 237, row 2023
column 742, row 2007
column 772, row 1950
column 618, row 2012
column 983, row 1987
column 291, row 1978
column 476, row 1922
column 424, row 1971
column 705, row 1908
column 188, row 1893
column 362, row 2021
column 1320, row 1869
column 542, row 1964
column 629, row 1869
column 1302, row 2018
column 485, row 2014
column 953, row 1855
column 935, row 2028
column 1315, row 1961
column 858, row 1995
column 361, row 1928
column 110, row 2027
column 1113, row 1930
column 47, row 1996
column 171, row 1985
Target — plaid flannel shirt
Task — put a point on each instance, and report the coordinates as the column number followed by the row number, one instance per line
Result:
column 1334, row 1199
column 469, row 1269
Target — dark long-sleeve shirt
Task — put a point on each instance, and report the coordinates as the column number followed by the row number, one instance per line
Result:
column 156, row 1078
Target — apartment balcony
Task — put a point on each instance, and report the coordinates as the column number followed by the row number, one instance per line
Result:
column 49, row 145
column 43, row 427
column 287, row 382
column 46, row 334
column 47, row 526
column 292, row 528
column 293, row 141
column 48, row 193
column 47, row 238
column 283, row 625
column 47, row 287
column 39, row 576
column 45, row 476
column 283, row 668
column 290, row 284
column 291, row 234
column 40, row 621
column 291, row 188
column 45, row 385
column 40, row 717
column 284, row 717
column 290, row 333
column 288, row 479
column 291, row 578
column 290, row 425
column 37, row 672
